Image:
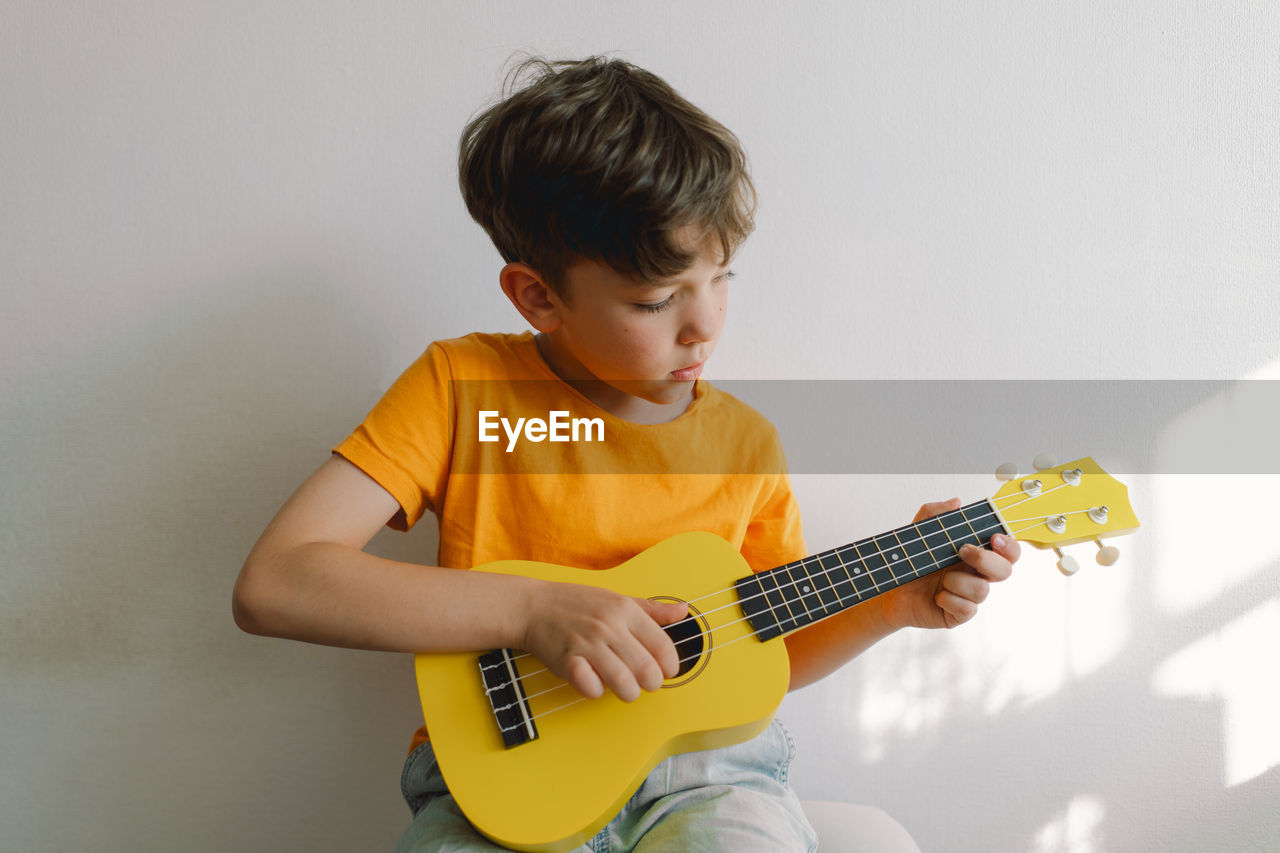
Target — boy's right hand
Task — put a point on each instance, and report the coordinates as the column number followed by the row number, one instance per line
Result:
column 594, row 638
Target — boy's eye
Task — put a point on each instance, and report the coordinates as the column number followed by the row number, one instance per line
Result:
column 654, row 307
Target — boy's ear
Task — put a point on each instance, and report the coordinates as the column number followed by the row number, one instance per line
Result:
column 528, row 291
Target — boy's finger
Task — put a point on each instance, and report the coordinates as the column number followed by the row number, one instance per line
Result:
column 664, row 612
column 644, row 666
column 618, row 676
column 960, row 609
column 658, row 646
column 988, row 564
column 640, row 646
column 933, row 508
column 1007, row 546
column 583, row 677
column 967, row 585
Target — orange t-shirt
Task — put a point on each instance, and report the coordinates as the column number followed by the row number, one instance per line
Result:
column 593, row 502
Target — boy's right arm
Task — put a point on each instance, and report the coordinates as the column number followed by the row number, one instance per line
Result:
column 308, row 578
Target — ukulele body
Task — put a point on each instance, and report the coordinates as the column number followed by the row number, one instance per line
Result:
column 558, row 790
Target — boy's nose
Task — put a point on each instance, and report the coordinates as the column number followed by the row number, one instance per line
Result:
column 703, row 321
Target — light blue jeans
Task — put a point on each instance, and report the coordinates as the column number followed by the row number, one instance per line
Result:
column 735, row 799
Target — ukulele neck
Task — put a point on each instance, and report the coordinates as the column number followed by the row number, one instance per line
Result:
column 790, row 597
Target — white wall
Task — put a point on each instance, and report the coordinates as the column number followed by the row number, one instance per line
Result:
column 228, row 226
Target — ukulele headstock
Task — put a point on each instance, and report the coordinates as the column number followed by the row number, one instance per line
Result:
column 1067, row 504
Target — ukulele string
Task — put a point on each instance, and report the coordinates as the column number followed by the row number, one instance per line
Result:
column 871, row 573
column 707, row 633
column 704, row 634
column 858, row 563
column 918, row 573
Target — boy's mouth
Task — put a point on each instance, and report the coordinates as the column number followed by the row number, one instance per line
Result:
column 687, row 374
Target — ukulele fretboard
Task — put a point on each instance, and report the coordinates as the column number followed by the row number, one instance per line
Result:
column 789, row 597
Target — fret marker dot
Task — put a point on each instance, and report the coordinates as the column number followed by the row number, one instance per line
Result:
column 895, row 555
column 858, row 571
column 806, row 589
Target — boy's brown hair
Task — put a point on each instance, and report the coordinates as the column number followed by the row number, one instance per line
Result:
column 602, row 160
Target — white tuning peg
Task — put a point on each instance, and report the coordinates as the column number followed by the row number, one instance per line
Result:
column 1107, row 554
column 1066, row 563
column 1007, row 471
column 1044, row 460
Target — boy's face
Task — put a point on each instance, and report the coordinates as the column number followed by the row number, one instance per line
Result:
column 618, row 339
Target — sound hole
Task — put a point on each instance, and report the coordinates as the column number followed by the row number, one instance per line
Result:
column 687, row 634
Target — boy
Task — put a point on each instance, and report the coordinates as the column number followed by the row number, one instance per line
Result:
column 617, row 206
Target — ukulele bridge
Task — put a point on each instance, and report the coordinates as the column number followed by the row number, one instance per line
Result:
column 506, row 698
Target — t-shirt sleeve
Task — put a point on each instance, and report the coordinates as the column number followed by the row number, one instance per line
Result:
column 406, row 441
column 774, row 535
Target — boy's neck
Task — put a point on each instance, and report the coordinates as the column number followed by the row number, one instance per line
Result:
column 611, row 399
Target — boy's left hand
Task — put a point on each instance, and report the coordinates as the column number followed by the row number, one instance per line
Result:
column 951, row 597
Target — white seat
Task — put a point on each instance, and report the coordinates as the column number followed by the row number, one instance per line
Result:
column 848, row 828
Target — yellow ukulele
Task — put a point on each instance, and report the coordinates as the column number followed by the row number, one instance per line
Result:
column 535, row 766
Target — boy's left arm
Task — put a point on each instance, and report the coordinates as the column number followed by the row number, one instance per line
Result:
column 944, row 599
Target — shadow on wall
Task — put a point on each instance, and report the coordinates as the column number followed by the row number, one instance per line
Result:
column 1107, row 759
column 145, row 463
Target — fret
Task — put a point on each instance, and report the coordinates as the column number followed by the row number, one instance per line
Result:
column 890, row 551
column 755, row 603
column 917, row 551
column 952, row 525
column 808, row 604
column 872, row 561
column 842, row 588
column 775, row 593
column 903, row 563
column 963, row 532
column 823, row 583
column 859, row 576
column 792, row 588
column 983, row 520
column 936, row 541
column 812, row 585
